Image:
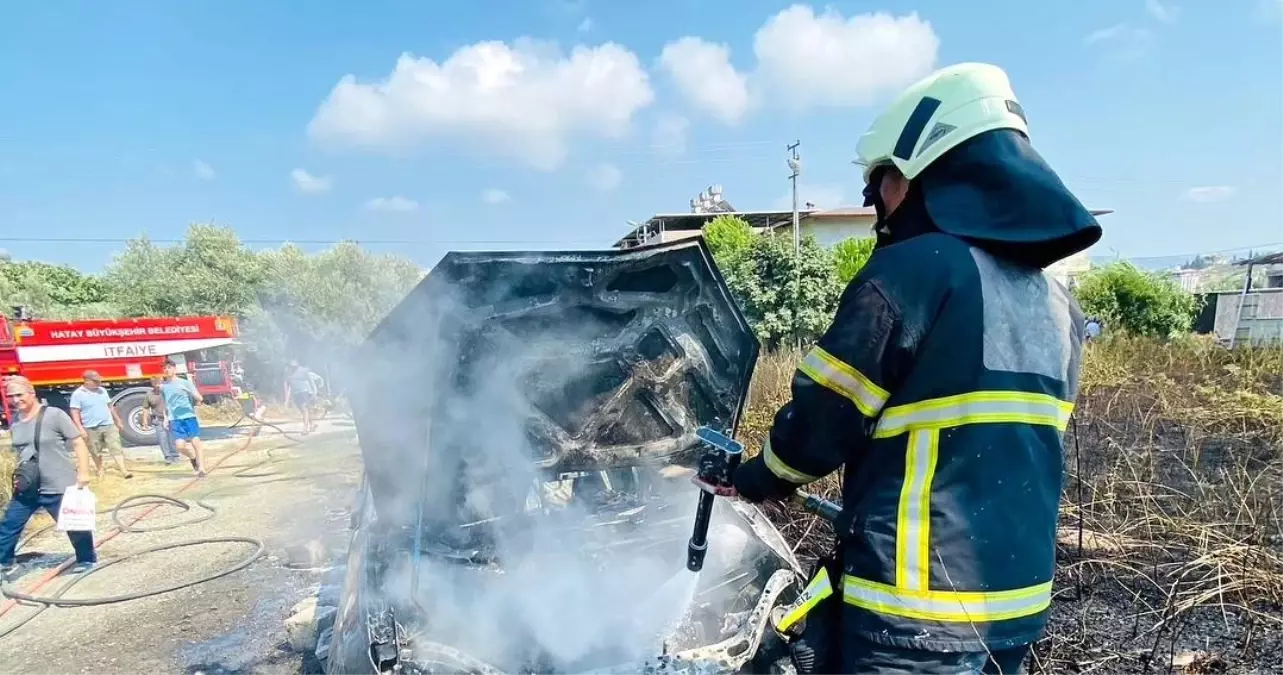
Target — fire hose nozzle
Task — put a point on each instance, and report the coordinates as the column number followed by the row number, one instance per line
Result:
column 722, row 455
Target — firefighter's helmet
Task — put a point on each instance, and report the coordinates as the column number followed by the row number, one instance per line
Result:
column 933, row 116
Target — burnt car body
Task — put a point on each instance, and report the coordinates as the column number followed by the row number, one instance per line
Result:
column 527, row 423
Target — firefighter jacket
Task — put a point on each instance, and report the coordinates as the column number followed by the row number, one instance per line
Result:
column 944, row 385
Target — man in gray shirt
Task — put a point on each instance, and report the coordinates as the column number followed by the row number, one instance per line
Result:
column 300, row 389
column 63, row 459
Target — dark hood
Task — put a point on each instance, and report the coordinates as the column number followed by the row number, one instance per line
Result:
column 998, row 193
column 570, row 361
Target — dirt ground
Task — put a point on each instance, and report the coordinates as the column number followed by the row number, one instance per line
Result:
column 231, row 624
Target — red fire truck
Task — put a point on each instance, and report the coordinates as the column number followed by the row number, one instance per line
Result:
column 126, row 353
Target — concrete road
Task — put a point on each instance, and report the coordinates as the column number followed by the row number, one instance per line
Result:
column 229, row 625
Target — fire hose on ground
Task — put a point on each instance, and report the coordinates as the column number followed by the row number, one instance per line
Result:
column 56, row 599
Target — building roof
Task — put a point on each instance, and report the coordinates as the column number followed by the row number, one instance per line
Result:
column 1275, row 258
column 695, row 221
column 844, row 212
column 758, row 219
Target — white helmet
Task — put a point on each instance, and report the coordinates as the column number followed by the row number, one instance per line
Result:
column 933, row 116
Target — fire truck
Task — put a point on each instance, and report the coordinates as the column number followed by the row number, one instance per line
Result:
column 126, row 352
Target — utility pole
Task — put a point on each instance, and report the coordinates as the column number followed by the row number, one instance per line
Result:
column 795, row 166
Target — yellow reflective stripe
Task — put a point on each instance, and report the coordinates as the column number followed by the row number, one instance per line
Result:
column 913, row 521
column 819, row 588
column 829, row 371
column 946, row 605
column 784, row 471
column 981, row 407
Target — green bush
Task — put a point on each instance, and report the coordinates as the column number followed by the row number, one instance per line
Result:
column 729, row 238
column 784, row 298
column 1136, row 302
column 850, row 256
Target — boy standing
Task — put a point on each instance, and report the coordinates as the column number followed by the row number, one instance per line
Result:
column 156, row 414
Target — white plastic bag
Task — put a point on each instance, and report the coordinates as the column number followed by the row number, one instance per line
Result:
column 79, row 510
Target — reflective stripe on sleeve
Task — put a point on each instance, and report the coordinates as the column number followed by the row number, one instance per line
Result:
column 946, row 606
column 819, row 588
column 782, row 470
column 981, row 407
column 913, row 520
column 830, row 372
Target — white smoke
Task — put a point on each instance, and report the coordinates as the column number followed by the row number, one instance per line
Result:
column 447, row 444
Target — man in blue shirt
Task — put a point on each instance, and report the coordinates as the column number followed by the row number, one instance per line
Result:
column 98, row 422
column 181, row 398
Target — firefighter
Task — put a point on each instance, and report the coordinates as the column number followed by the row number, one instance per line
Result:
column 944, row 385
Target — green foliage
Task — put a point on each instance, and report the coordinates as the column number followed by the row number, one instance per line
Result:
column 315, row 307
column 784, row 297
column 211, row 272
column 55, row 291
column 1136, row 302
column 291, row 304
column 850, row 255
column 729, row 238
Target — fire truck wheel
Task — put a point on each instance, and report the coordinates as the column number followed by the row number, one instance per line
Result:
column 130, row 408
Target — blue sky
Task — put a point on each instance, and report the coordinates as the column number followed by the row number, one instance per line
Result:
column 549, row 123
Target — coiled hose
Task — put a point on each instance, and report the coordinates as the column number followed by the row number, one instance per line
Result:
column 245, row 471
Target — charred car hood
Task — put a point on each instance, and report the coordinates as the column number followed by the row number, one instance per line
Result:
column 520, row 418
column 582, row 361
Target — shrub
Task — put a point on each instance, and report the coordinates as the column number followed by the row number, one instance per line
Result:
column 729, row 238
column 850, row 256
column 784, row 297
column 1136, row 302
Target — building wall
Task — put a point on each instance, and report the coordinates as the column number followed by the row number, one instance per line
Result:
column 1267, row 324
column 1068, row 269
column 828, row 232
column 1191, row 281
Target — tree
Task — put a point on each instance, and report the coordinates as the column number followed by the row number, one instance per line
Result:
column 50, row 291
column 315, row 308
column 1135, row 301
column 850, row 255
column 729, row 238
column 765, row 282
column 211, row 272
column 291, row 304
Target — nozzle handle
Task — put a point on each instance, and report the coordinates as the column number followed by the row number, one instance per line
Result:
column 817, row 505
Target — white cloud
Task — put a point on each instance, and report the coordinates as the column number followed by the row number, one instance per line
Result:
column 1206, row 194
column 605, row 177
column 309, row 184
column 495, row 196
column 814, row 60
column 585, row 25
column 203, row 171
column 394, row 204
column 524, row 100
column 807, row 60
column 703, row 74
column 670, row 134
column 1162, row 12
column 1127, row 39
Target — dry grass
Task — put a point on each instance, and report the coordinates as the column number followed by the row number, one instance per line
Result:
column 1172, row 519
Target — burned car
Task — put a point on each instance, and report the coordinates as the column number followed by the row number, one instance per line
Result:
column 528, row 425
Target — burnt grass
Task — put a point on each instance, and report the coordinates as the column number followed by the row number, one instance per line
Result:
column 1171, row 534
